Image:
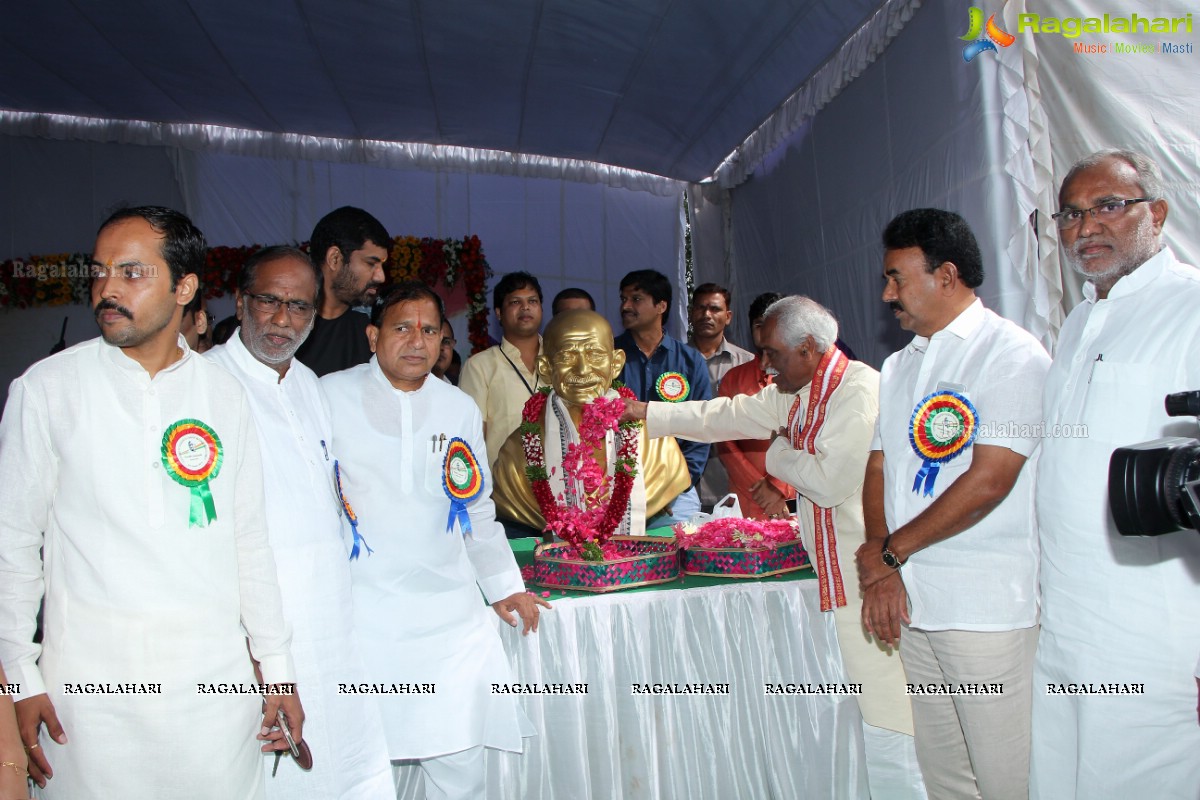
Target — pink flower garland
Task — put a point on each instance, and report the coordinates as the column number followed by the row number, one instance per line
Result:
column 587, row 529
column 736, row 532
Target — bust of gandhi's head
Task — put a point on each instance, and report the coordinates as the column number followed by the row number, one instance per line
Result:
column 579, row 358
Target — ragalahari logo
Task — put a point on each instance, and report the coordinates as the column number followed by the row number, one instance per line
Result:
column 994, row 35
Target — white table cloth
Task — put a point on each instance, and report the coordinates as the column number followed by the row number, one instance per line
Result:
column 610, row 743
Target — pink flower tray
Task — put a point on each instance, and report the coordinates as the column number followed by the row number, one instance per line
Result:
column 643, row 561
column 745, row 562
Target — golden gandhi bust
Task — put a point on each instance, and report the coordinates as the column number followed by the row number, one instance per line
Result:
column 580, row 362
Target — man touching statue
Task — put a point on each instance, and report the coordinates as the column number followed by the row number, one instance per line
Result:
column 819, row 415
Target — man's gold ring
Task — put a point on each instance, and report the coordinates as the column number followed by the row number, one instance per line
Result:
column 33, row 746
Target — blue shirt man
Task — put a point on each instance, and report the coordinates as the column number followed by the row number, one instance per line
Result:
column 660, row 367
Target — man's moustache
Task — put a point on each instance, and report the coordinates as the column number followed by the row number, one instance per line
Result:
column 896, row 306
column 109, row 305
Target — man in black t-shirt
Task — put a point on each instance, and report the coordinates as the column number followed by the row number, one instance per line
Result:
column 350, row 247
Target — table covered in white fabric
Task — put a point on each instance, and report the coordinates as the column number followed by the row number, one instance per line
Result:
column 610, row 743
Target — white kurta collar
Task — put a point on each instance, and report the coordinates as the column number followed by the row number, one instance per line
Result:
column 1141, row 277
column 251, row 366
column 962, row 326
column 377, row 373
column 117, row 357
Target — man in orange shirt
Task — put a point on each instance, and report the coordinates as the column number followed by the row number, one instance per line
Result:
column 745, row 459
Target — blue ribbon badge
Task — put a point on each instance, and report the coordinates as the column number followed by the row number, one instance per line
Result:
column 350, row 515
column 462, row 480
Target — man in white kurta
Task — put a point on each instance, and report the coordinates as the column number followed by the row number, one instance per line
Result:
column 429, row 641
column 1121, row 610
column 830, row 477
column 147, row 608
column 304, row 521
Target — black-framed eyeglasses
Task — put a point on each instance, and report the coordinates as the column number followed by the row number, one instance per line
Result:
column 269, row 304
column 1105, row 212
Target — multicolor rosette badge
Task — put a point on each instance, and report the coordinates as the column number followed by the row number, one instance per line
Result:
column 943, row 425
column 672, row 387
column 462, row 480
column 192, row 455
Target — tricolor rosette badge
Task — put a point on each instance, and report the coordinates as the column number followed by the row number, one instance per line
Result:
column 943, row 425
column 462, row 480
column 192, row 454
column 672, row 387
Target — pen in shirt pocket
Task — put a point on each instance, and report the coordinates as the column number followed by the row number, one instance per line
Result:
column 324, row 449
column 1092, row 374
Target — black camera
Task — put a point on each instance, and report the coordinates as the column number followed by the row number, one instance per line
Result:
column 1154, row 487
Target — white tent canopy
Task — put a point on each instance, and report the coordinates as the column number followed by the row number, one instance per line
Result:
column 664, row 87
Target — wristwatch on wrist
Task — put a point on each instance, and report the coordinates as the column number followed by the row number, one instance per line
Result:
column 889, row 557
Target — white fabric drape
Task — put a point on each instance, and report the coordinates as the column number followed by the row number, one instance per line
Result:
column 990, row 139
column 1025, row 143
column 295, row 146
column 1082, row 103
column 566, row 233
column 919, row 127
column 611, row 743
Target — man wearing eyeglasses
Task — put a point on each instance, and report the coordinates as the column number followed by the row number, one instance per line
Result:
column 277, row 297
column 1116, row 610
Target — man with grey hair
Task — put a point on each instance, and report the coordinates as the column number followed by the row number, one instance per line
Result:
column 819, row 415
column 277, row 299
column 1117, row 611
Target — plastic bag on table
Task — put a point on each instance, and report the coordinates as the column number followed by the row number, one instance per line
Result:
column 727, row 506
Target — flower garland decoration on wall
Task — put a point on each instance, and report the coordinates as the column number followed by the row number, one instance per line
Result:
column 605, row 501
column 52, row 280
column 448, row 261
column 65, row 278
